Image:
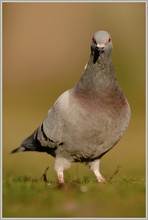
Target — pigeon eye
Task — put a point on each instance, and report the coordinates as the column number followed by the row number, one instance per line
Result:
column 109, row 40
column 93, row 40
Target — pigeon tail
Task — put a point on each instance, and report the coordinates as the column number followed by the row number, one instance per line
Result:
column 19, row 149
column 32, row 144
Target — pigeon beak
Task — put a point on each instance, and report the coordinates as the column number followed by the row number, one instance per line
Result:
column 98, row 50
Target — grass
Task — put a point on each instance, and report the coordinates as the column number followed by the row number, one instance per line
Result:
column 26, row 197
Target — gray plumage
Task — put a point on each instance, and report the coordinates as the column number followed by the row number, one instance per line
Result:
column 88, row 120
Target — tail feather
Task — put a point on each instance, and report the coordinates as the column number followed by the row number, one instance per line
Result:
column 19, row 149
column 32, row 144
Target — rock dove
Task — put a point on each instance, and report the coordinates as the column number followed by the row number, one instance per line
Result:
column 88, row 120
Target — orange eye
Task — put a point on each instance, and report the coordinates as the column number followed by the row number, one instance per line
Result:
column 109, row 40
column 93, row 40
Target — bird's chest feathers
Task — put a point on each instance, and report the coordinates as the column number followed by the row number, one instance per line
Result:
column 89, row 113
column 86, row 118
column 103, row 100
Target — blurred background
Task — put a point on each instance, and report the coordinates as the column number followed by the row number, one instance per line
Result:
column 45, row 49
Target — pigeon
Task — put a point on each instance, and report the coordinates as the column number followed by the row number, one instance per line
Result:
column 87, row 120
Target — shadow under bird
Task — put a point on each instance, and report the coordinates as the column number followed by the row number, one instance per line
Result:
column 88, row 120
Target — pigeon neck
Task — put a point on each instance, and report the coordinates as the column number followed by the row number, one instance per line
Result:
column 97, row 78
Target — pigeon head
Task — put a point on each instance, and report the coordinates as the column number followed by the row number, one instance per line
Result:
column 101, row 44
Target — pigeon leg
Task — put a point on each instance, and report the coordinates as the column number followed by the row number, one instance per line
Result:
column 94, row 167
column 60, row 165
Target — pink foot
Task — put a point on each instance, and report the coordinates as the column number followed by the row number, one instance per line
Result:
column 60, row 180
column 101, row 179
